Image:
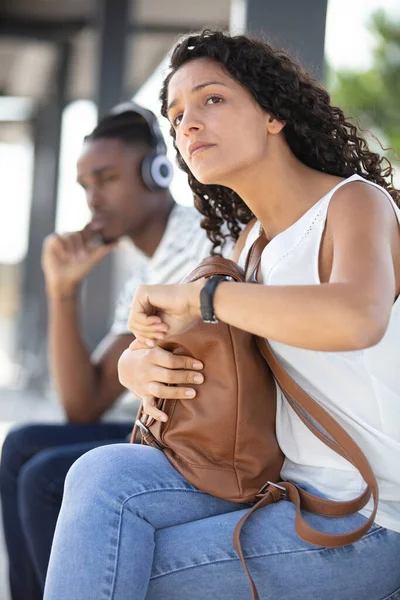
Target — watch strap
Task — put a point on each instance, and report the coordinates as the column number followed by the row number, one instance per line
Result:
column 207, row 297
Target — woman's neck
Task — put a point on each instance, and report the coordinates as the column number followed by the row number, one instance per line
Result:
column 280, row 189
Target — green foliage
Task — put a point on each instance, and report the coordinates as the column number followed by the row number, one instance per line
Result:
column 373, row 97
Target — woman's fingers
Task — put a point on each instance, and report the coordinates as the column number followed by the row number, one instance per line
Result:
column 177, row 377
column 148, row 336
column 136, row 345
column 164, row 358
column 147, row 328
column 158, row 372
column 150, row 409
column 149, row 342
column 160, row 390
column 139, row 319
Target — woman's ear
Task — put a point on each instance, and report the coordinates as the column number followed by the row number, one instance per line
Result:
column 274, row 126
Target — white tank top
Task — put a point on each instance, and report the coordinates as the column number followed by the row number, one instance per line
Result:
column 361, row 389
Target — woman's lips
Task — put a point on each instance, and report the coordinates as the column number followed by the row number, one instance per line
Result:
column 200, row 148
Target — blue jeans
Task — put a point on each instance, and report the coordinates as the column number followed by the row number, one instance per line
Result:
column 132, row 528
column 35, row 460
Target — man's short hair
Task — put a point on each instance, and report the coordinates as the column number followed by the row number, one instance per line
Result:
column 129, row 127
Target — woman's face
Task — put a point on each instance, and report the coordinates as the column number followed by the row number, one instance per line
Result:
column 221, row 131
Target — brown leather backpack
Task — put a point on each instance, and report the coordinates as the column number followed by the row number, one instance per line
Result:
column 224, row 442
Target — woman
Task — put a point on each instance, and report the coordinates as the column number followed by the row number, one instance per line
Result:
column 258, row 137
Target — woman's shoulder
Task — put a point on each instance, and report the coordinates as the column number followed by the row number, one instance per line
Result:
column 363, row 227
column 359, row 199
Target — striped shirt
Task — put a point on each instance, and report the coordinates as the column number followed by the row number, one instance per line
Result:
column 183, row 245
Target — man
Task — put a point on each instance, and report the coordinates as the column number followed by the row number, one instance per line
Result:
column 125, row 174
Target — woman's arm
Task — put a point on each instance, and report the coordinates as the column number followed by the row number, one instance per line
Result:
column 349, row 312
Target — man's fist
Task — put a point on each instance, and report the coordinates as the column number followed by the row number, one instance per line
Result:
column 68, row 258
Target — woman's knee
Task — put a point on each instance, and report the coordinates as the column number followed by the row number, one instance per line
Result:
column 114, row 467
column 95, row 467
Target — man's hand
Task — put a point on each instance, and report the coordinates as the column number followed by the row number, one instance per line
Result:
column 156, row 373
column 67, row 259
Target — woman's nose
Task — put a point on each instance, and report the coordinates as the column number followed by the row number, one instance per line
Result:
column 190, row 123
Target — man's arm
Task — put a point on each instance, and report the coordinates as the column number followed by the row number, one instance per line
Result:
column 87, row 386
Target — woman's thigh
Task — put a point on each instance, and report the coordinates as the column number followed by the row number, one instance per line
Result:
column 124, row 501
column 115, row 499
column 140, row 479
column 197, row 560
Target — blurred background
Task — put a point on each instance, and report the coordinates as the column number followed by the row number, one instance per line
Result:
column 64, row 63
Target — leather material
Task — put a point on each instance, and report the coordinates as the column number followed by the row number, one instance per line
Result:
column 223, row 441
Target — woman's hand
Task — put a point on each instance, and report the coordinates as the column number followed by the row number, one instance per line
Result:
column 149, row 373
column 161, row 309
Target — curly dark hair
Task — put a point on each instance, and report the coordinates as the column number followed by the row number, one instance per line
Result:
column 317, row 133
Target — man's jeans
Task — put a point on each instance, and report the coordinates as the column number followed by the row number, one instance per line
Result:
column 34, row 462
column 132, row 528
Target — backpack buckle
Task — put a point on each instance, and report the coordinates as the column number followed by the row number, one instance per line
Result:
column 148, row 437
column 265, row 487
column 142, row 427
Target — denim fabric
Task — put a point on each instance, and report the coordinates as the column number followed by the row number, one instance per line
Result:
column 132, row 528
column 34, row 462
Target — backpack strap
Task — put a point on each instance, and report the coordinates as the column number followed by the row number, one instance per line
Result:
column 241, row 242
column 333, row 435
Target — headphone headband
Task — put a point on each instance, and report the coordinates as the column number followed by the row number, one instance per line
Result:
column 150, row 119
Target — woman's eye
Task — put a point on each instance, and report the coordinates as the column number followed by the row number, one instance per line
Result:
column 213, row 100
column 176, row 120
column 210, row 100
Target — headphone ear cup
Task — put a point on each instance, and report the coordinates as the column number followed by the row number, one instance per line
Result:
column 157, row 171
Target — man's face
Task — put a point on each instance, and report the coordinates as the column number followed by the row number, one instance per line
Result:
column 109, row 172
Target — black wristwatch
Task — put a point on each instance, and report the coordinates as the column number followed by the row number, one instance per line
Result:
column 207, row 297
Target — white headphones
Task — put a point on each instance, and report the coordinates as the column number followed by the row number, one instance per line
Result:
column 157, row 170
